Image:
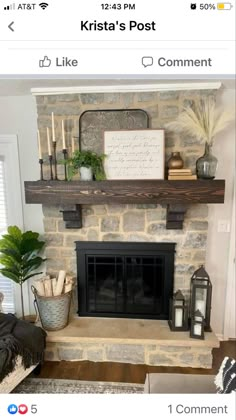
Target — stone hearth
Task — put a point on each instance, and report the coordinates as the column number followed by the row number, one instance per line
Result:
column 134, row 341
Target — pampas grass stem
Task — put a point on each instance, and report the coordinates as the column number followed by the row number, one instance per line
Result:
column 203, row 121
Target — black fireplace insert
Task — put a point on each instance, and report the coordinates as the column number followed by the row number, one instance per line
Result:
column 125, row 279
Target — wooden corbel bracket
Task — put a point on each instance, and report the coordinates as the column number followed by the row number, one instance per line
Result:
column 175, row 216
column 72, row 216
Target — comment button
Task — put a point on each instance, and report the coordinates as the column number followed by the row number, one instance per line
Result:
column 147, row 61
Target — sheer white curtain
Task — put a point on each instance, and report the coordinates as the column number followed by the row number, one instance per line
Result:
column 10, row 210
column 6, row 285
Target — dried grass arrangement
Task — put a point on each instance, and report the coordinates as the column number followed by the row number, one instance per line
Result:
column 203, row 120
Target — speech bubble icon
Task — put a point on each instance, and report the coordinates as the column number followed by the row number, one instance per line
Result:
column 147, row 61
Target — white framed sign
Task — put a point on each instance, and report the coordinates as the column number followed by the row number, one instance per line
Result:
column 134, row 154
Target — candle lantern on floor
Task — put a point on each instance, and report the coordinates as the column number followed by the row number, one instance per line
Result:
column 201, row 290
column 178, row 313
column 197, row 325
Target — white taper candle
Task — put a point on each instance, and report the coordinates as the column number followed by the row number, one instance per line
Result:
column 39, row 146
column 53, row 128
column 73, row 145
column 49, row 143
column 63, row 135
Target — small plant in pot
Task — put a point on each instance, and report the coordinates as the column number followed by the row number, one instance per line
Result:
column 19, row 256
column 90, row 165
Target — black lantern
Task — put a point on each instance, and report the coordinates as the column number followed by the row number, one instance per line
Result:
column 201, row 290
column 178, row 313
column 197, row 325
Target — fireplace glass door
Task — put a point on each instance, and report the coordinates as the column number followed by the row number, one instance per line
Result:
column 132, row 285
column 124, row 283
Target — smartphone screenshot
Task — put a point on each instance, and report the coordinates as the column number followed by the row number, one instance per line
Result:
column 117, row 209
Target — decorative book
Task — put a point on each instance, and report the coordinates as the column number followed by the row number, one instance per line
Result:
column 182, row 177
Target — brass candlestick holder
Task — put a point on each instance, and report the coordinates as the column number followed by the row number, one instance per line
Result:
column 50, row 164
column 55, row 159
column 41, row 169
column 64, row 151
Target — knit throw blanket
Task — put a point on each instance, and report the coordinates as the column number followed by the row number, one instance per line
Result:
column 19, row 338
column 225, row 380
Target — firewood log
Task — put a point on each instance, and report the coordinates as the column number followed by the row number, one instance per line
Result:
column 48, row 287
column 54, row 285
column 69, row 283
column 60, row 282
column 39, row 286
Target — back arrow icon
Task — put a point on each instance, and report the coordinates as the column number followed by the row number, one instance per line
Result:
column 10, row 26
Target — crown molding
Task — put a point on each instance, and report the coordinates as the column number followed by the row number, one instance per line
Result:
column 122, row 88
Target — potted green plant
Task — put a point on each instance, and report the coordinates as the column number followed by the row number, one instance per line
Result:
column 89, row 164
column 19, row 256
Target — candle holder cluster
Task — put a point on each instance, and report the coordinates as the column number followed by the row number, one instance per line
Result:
column 53, row 165
column 196, row 316
column 52, row 152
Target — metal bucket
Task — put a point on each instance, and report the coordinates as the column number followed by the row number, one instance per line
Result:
column 53, row 311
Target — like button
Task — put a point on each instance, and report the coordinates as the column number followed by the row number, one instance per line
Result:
column 45, row 62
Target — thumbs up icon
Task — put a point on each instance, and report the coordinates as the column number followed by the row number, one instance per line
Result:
column 45, row 62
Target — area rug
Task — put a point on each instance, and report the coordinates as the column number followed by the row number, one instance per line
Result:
column 67, row 386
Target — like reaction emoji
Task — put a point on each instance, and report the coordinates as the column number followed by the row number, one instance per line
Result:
column 12, row 409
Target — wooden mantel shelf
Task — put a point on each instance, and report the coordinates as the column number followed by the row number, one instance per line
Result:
column 126, row 192
column 174, row 194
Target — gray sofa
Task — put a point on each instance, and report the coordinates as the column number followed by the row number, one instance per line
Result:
column 174, row 383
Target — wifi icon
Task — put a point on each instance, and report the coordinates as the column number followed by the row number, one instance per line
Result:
column 43, row 5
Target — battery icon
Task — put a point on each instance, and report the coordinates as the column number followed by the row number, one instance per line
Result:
column 224, row 6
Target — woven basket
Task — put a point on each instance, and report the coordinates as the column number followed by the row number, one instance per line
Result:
column 53, row 311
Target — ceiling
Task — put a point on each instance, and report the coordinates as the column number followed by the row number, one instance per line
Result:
column 19, row 87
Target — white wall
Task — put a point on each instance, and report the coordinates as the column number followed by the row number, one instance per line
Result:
column 18, row 115
column 217, row 257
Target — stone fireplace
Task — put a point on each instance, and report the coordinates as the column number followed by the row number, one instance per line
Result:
column 123, row 224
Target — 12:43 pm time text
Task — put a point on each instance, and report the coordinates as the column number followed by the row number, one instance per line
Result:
column 117, row 6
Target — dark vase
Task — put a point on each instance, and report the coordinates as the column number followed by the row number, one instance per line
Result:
column 175, row 161
column 206, row 165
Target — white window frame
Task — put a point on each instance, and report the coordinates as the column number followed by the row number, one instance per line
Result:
column 9, row 150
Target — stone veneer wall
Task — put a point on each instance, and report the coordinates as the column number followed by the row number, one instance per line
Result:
column 126, row 222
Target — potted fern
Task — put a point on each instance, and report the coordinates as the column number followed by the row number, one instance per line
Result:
column 203, row 121
column 89, row 164
column 19, row 256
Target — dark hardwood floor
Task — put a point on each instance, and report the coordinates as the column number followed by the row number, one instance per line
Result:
column 125, row 372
